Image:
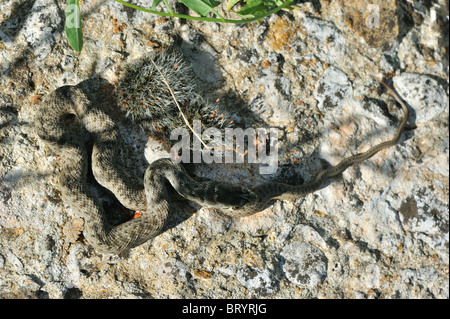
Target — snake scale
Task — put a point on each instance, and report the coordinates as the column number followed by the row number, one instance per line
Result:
column 67, row 111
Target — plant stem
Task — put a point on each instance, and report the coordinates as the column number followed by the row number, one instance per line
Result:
column 183, row 16
column 168, row 7
column 222, row 19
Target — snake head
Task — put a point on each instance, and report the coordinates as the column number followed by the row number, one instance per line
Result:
column 247, row 199
column 235, row 200
column 231, row 196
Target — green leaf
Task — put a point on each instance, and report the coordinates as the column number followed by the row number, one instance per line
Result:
column 202, row 7
column 255, row 8
column 231, row 4
column 155, row 4
column 252, row 9
column 212, row 3
column 73, row 25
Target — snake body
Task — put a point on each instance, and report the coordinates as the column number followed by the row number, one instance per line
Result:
column 67, row 111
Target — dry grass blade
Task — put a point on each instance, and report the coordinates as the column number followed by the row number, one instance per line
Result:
column 177, row 104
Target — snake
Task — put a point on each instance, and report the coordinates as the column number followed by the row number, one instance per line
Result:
column 67, row 112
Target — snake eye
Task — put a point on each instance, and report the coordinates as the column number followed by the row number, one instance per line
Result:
column 235, row 207
column 68, row 119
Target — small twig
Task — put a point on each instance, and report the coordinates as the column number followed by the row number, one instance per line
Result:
column 178, row 105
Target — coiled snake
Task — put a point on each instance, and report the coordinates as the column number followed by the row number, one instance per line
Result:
column 67, row 110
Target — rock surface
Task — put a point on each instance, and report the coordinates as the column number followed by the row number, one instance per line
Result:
column 379, row 231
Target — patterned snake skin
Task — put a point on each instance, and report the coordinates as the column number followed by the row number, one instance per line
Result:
column 67, row 110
